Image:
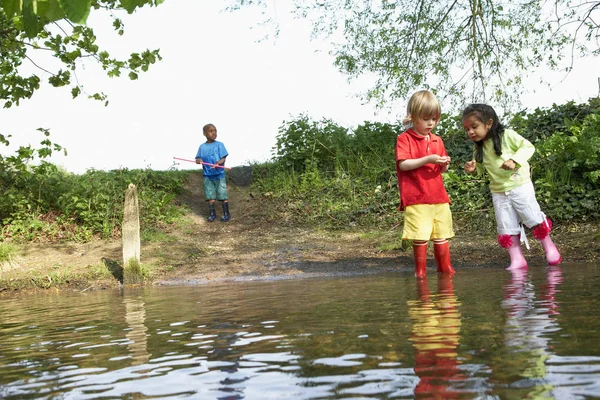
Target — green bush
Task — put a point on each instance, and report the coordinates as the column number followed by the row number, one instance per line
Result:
column 327, row 174
column 321, row 173
column 567, row 170
column 46, row 203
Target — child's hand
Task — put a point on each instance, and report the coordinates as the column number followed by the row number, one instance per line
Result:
column 470, row 166
column 198, row 161
column 440, row 160
column 509, row 165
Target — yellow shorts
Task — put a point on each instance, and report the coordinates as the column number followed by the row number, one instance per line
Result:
column 427, row 221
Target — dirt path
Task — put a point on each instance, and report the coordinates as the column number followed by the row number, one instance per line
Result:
column 252, row 246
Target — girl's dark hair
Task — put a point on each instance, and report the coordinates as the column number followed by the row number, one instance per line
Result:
column 484, row 113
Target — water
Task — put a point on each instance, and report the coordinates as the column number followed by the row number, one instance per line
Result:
column 481, row 334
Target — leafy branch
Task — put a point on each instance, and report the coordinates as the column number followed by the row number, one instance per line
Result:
column 467, row 50
column 70, row 43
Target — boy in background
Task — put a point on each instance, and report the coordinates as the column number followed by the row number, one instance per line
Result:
column 215, row 186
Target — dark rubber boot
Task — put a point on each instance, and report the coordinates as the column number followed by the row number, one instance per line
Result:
column 226, row 216
column 212, row 215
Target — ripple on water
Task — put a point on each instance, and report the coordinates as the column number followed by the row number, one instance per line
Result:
column 480, row 334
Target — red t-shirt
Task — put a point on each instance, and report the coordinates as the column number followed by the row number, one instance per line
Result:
column 423, row 185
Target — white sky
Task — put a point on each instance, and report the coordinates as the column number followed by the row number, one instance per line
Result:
column 213, row 71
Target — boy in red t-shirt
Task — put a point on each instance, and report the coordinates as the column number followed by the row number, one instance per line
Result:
column 420, row 160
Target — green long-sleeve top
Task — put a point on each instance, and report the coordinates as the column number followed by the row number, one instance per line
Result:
column 515, row 147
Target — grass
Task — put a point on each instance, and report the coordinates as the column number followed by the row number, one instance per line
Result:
column 58, row 277
column 185, row 224
column 397, row 244
column 132, row 272
column 6, row 251
column 371, row 235
column 156, row 236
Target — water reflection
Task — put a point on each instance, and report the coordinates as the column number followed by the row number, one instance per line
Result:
column 435, row 337
column 135, row 316
column 475, row 335
column 531, row 323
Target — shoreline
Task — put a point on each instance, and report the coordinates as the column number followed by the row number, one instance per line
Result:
column 288, row 261
column 252, row 247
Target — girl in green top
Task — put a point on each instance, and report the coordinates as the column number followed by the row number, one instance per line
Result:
column 504, row 155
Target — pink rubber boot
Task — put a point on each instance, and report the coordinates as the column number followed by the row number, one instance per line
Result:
column 513, row 245
column 542, row 232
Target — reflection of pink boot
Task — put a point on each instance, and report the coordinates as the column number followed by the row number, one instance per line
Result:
column 550, row 289
column 542, row 232
column 512, row 244
column 519, row 275
column 554, row 277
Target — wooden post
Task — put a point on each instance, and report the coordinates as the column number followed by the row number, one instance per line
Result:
column 132, row 271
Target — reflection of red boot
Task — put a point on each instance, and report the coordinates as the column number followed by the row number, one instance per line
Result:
column 435, row 337
column 441, row 251
column 423, row 290
column 420, row 254
column 542, row 232
column 445, row 285
column 513, row 245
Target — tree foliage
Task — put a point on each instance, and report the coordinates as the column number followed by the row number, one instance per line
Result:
column 32, row 29
column 476, row 50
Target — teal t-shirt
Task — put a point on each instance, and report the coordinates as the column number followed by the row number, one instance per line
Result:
column 211, row 153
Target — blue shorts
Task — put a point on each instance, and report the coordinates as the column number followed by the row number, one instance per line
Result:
column 215, row 190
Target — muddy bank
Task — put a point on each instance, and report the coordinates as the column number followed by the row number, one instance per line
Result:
column 252, row 246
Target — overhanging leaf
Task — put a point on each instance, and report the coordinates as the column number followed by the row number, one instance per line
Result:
column 11, row 7
column 76, row 11
column 50, row 10
column 131, row 5
column 30, row 19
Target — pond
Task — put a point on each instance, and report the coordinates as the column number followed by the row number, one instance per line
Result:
column 485, row 333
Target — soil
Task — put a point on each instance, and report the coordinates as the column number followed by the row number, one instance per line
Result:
column 253, row 246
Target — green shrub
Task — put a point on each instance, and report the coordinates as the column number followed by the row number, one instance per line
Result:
column 43, row 202
column 323, row 173
column 6, row 251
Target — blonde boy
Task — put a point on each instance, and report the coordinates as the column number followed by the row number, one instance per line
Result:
column 421, row 159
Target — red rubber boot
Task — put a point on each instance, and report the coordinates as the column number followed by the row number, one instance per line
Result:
column 441, row 252
column 420, row 255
